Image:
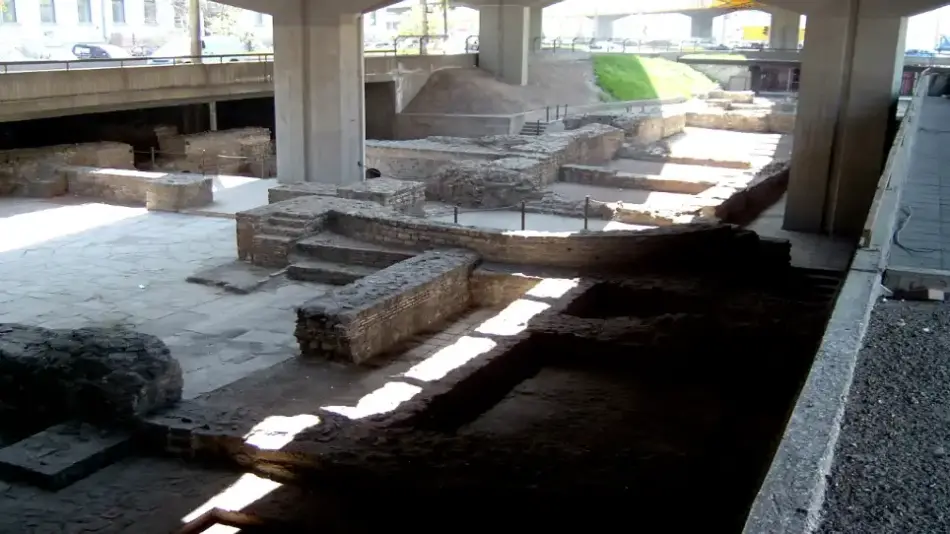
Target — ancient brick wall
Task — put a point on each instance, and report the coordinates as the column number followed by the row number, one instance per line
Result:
column 221, row 152
column 361, row 320
column 400, row 195
column 32, row 172
column 156, row 190
column 674, row 246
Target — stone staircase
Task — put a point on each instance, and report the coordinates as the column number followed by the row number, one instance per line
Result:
column 330, row 258
column 534, row 128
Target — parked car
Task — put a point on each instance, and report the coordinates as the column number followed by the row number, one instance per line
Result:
column 228, row 47
column 919, row 53
column 99, row 51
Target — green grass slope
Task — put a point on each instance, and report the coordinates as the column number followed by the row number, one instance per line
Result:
column 630, row 77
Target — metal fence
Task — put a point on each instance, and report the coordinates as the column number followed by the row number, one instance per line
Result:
column 398, row 46
column 524, row 208
column 258, row 166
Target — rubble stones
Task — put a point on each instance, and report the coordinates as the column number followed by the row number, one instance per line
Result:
column 92, row 374
column 484, row 184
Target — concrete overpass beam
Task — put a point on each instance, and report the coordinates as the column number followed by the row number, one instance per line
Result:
column 503, row 42
column 851, row 68
column 536, row 27
column 318, row 90
column 701, row 25
column 784, row 30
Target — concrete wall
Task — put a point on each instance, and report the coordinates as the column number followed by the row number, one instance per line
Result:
column 41, row 94
column 421, row 125
column 381, row 110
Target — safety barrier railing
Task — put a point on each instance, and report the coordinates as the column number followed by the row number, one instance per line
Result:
column 633, row 46
column 524, row 208
column 403, row 45
column 205, row 163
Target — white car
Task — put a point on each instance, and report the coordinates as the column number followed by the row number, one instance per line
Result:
column 228, row 46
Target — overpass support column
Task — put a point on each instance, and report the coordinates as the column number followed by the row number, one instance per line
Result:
column 701, row 26
column 604, row 26
column 851, row 67
column 536, row 34
column 503, row 42
column 784, row 30
column 318, row 93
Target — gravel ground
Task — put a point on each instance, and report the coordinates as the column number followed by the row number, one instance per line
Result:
column 891, row 472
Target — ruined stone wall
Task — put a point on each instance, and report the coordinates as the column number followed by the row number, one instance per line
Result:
column 221, row 152
column 675, row 245
column 417, row 160
column 266, row 234
column 493, row 171
column 361, row 320
column 639, row 127
column 758, row 121
column 31, row 172
column 401, row 195
column 156, row 190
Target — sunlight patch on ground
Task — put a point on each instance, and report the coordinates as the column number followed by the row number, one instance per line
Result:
column 30, row 229
column 440, row 364
column 245, row 491
column 276, row 431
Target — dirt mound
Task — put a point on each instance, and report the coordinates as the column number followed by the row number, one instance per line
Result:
column 553, row 80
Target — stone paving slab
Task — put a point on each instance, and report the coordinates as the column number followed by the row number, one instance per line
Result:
column 922, row 235
column 68, row 265
column 60, row 455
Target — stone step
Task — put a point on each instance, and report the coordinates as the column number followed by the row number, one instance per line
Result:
column 288, row 222
column 533, row 128
column 62, row 454
column 722, row 163
column 339, row 250
column 607, row 177
column 326, row 272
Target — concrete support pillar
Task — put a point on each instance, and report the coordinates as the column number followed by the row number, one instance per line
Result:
column 213, row 116
column 319, row 93
column 503, row 42
column 784, row 30
column 701, row 26
column 604, row 26
column 536, row 28
column 851, row 67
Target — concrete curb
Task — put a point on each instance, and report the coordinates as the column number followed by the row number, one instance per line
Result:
column 792, row 495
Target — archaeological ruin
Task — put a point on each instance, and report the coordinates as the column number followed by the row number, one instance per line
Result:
column 481, row 322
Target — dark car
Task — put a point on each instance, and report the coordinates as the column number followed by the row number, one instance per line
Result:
column 99, row 51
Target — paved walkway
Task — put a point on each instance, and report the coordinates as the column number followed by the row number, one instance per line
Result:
column 70, row 263
column 922, row 238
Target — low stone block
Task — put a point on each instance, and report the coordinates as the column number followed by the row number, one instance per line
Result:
column 401, row 195
column 288, row 191
column 739, row 97
column 60, row 455
column 92, row 374
column 156, row 190
column 175, row 192
column 356, row 322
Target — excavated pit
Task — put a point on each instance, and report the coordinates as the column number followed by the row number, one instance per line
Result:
column 655, row 399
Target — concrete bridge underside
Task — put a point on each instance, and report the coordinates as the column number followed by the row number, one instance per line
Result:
column 848, row 91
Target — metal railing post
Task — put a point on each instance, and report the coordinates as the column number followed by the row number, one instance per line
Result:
column 538, row 131
column 547, row 114
column 202, row 163
column 151, row 151
column 263, row 166
column 455, row 214
column 586, row 210
column 522, row 214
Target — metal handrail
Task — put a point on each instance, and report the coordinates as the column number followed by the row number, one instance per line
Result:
column 421, row 45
